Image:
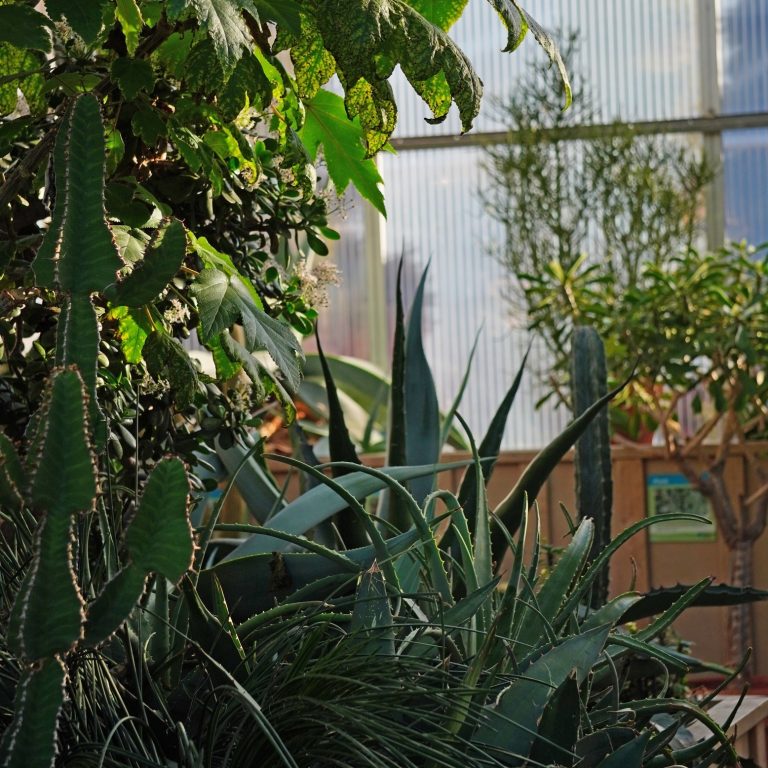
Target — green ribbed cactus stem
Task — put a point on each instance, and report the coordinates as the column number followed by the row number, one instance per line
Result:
column 49, row 617
column 594, row 486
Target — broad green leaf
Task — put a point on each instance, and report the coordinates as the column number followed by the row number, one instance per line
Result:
column 313, row 66
column 47, row 615
column 247, row 85
column 133, row 76
column 373, row 104
column 512, row 724
column 176, row 8
column 159, row 538
column 114, row 604
column 441, row 13
column 224, row 23
column 86, row 258
column 235, row 351
column 31, row 737
column 320, row 503
column 202, row 70
column 129, row 17
column 149, row 124
column 224, row 300
column 327, row 124
column 166, row 358
column 226, row 366
column 134, row 327
column 24, row 27
column 284, row 12
column 12, row 62
column 369, row 40
column 63, row 442
column 162, row 260
column 84, row 16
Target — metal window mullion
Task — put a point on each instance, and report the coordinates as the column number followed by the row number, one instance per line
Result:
column 709, row 47
column 374, row 252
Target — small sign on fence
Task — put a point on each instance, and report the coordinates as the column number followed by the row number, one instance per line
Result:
column 672, row 493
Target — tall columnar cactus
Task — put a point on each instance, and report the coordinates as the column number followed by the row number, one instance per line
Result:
column 594, row 487
column 58, row 481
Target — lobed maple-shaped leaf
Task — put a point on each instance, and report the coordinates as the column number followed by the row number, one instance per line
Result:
column 327, row 124
column 84, row 16
column 224, row 299
column 25, row 27
column 368, row 40
column 223, row 21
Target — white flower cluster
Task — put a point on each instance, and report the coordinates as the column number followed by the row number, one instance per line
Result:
column 316, row 280
column 177, row 312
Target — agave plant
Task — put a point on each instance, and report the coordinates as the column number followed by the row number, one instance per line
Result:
column 412, row 640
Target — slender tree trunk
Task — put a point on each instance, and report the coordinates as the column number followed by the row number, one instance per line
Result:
column 740, row 630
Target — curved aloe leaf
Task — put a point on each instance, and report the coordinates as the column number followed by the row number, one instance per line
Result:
column 341, row 449
column 613, row 612
column 559, row 727
column 556, row 589
column 254, row 582
column 256, row 485
column 422, row 413
column 600, row 562
column 659, row 600
column 536, row 473
column 372, row 614
column 322, row 502
column 511, row 727
column 489, row 448
column 629, row 755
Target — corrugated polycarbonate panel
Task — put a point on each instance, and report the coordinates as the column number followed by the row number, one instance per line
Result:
column 745, row 169
column 343, row 324
column 638, row 58
column 744, row 35
column 435, row 216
